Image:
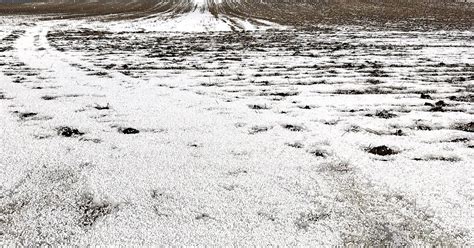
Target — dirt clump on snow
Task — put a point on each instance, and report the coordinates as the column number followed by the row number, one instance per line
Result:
column 466, row 127
column 69, row 132
column 128, row 130
column 382, row 151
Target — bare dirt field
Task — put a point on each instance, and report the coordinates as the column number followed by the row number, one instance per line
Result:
column 229, row 123
column 394, row 14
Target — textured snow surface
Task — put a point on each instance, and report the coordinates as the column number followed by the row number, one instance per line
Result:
column 256, row 138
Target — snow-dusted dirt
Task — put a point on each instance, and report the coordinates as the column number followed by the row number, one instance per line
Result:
column 193, row 16
column 139, row 133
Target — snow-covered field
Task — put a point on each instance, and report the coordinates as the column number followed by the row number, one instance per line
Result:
column 171, row 130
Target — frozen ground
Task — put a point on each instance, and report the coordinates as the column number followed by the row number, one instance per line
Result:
column 244, row 138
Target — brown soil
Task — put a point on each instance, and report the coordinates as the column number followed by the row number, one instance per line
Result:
column 403, row 14
column 107, row 11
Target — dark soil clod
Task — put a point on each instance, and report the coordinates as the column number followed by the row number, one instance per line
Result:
column 441, row 104
column 284, row 93
column 382, row 151
column 429, row 104
column 99, row 107
column 295, row 145
column 293, row 128
column 305, row 107
column 27, row 115
column 460, row 140
column 69, row 132
column 202, row 216
column 129, row 130
column 464, row 98
column 49, row 98
column 374, row 81
column 385, row 114
column 399, row 132
column 318, row 153
column 437, row 109
column 258, row 106
column 466, row 127
column 19, row 80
